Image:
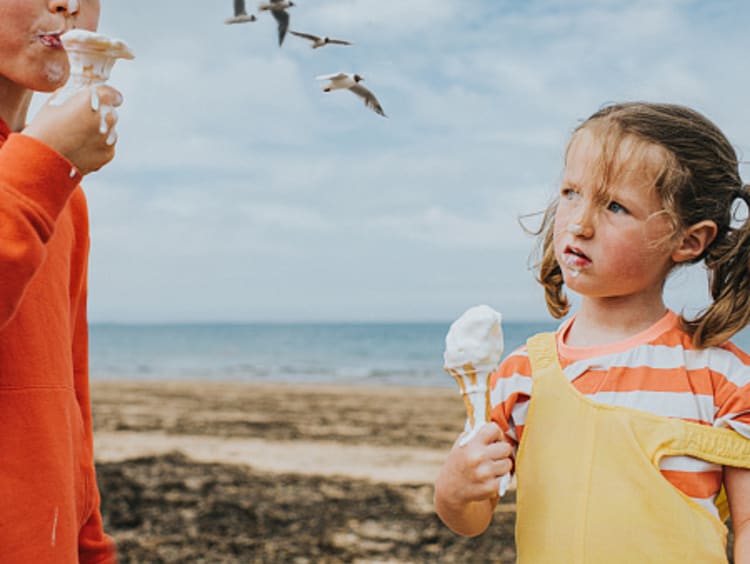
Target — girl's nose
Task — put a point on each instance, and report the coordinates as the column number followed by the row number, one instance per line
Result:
column 582, row 224
column 68, row 7
column 580, row 229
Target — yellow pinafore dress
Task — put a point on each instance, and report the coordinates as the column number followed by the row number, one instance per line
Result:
column 589, row 486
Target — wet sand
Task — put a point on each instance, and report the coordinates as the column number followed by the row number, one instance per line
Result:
column 196, row 472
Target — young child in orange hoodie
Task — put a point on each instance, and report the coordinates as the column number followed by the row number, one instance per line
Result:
column 49, row 508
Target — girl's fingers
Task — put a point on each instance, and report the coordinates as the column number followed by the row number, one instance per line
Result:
column 498, row 451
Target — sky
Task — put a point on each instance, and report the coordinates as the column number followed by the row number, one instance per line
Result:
column 242, row 192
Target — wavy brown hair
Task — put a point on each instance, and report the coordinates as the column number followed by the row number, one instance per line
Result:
column 698, row 180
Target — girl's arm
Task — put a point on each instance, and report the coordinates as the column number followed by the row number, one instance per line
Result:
column 466, row 488
column 737, row 482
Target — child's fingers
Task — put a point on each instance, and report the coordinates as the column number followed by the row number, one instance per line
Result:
column 104, row 99
column 501, row 467
column 107, row 119
column 490, row 433
column 104, row 95
column 499, row 450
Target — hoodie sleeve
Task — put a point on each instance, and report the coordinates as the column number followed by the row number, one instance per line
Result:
column 35, row 184
column 94, row 547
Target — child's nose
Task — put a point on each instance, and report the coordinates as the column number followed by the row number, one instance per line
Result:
column 69, row 7
column 579, row 230
column 582, row 224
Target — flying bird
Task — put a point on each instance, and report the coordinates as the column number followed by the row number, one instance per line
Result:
column 351, row 82
column 319, row 41
column 278, row 9
column 240, row 15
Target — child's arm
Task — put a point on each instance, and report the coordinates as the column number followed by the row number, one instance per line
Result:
column 467, row 485
column 737, row 482
column 36, row 181
column 72, row 129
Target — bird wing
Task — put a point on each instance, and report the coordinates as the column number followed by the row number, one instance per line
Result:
column 239, row 8
column 336, row 76
column 370, row 100
column 339, row 42
column 283, row 18
column 309, row 36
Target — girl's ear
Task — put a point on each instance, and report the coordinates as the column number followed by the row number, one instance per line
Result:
column 695, row 240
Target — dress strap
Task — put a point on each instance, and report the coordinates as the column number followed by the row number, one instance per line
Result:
column 720, row 446
column 542, row 351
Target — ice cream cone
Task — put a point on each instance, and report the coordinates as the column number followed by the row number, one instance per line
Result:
column 474, row 384
column 91, row 57
column 473, row 348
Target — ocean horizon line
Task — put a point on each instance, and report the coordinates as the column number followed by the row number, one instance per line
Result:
column 209, row 323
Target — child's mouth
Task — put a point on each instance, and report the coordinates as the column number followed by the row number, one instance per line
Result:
column 51, row 40
column 575, row 258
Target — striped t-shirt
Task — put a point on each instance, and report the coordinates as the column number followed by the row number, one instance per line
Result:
column 658, row 371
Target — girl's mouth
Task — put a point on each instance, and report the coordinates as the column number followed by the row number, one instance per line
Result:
column 51, row 40
column 575, row 258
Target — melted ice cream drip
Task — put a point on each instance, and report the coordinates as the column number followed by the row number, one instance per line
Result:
column 91, row 56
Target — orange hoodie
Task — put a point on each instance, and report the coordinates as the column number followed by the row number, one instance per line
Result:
column 49, row 501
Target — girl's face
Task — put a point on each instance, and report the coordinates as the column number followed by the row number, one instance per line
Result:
column 31, row 53
column 614, row 244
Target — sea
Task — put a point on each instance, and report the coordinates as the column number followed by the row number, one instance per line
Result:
column 315, row 353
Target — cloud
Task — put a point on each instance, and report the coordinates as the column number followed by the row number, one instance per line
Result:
column 383, row 20
column 241, row 190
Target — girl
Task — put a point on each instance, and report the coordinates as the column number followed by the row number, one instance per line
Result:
column 625, row 425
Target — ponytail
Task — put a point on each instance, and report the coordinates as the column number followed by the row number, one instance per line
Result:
column 728, row 262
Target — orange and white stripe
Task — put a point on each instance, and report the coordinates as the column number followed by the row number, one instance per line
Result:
column 657, row 371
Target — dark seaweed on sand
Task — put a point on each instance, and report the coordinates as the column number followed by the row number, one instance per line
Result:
column 171, row 509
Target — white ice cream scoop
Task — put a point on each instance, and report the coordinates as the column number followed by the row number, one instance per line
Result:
column 473, row 348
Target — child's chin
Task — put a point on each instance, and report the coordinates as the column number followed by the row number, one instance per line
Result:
column 572, row 281
column 55, row 76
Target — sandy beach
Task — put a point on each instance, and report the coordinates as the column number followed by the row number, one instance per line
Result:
column 208, row 472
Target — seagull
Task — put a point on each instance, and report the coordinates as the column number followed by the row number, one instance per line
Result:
column 319, row 41
column 278, row 9
column 342, row 80
column 240, row 15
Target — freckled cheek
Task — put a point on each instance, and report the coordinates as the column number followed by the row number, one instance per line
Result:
column 557, row 243
column 558, row 233
column 629, row 258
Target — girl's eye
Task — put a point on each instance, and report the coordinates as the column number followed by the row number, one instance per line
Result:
column 616, row 208
column 569, row 194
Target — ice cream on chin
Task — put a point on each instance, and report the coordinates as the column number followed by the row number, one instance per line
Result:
column 91, row 56
column 473, row 348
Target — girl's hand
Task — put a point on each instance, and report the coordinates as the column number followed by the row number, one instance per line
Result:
column 467, row 485
column 81, row 129
column 473, row 470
